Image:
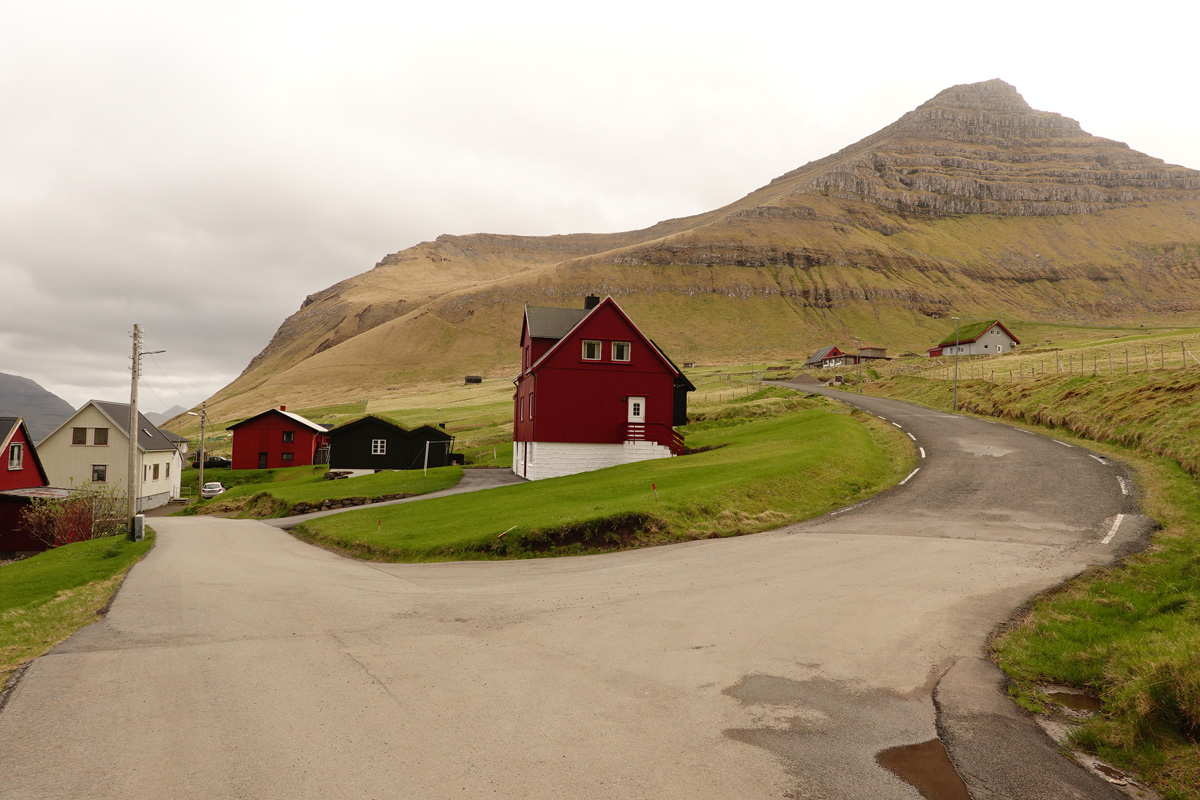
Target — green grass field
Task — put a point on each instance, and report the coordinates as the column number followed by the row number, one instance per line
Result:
column 261, row 494
column 1129, row 634
column 46, row 598
column 779, row 458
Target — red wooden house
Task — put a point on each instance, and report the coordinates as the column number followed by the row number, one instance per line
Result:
column 593, row 392
column 278, row 438
column 22, row 478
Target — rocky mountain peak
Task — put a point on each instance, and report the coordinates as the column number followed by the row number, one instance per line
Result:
column 979, row 148
column 993, row 95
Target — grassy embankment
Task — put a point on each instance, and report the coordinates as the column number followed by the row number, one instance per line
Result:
column 46, row 598
column 1130, row 634
column 778, row 457
column 267, row 493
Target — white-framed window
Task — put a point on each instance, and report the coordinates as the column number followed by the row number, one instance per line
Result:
column 16, row 455
column 379, row 447
column 621, row 351
column 591, row 350
column 99, row 473
column 289, row 436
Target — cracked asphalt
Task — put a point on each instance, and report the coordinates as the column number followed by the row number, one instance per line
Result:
column 239, row 662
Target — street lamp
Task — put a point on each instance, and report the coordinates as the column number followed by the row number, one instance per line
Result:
column 956, row 349
column 203, row 415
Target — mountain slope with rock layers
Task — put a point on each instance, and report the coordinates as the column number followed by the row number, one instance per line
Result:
column 972, row 204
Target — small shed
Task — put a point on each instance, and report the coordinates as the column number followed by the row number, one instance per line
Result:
column 375, row 443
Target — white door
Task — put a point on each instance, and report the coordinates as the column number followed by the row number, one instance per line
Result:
column 637, row 409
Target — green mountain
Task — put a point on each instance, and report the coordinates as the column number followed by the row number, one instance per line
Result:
column 971, row 205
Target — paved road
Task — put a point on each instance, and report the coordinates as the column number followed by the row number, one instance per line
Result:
column 239, row 662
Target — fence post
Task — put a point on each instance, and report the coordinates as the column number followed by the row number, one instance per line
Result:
column 1126, row 360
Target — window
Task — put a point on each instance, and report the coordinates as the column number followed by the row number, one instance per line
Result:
column 78, row 435
column 145, row 472
column 99, row 473
column 100, row 436
column 287, row 456
column 531, row 405
column 16, row 452
column 621, row 351
column 591, row 350
column 289, row 436
column 168, row 471
column 379, row 447
column 154, row 476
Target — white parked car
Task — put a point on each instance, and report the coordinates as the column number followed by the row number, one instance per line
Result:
column 211, row 490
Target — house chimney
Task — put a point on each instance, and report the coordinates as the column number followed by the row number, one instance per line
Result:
column 283, row 408
column 590, row 302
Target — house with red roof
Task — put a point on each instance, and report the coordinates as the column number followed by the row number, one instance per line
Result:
column 594, row 392
column 278, row 438
column 988, row 338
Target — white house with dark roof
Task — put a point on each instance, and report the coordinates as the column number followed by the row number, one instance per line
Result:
column 92, row 449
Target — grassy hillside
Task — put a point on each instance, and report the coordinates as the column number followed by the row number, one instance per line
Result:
column 831, row 459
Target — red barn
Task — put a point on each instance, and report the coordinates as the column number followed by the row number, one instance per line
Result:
column 22, row 478
column 593, row 392
column 278, row 438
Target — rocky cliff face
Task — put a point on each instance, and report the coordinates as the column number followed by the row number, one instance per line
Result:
column 980, row 149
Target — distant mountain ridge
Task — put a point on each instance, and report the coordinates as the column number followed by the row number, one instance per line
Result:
column 971, row 204
column 42, row 410
column 158, row 418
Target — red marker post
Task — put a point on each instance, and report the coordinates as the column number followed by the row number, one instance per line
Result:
column 655, row 488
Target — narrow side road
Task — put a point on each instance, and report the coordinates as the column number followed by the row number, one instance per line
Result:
column 239, row 662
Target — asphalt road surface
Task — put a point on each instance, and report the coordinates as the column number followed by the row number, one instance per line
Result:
column 238, row 662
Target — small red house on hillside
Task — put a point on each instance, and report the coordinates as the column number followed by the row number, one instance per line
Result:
column 22, row 478
column 593, row 392
column 278, row 438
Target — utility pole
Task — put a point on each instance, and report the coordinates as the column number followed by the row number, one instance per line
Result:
column 203, row 419
column 131, row 473
column 956, row 349
column 858, row 361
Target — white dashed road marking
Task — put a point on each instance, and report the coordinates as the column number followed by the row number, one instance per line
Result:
column 849, row 508
column 1124, row 485
column 1113, row 532
column 922, row 449
column 914, row 472
column 911, row 436
column 1098, row 458
column 1064, row 444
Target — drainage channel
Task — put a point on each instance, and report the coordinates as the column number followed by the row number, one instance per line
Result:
column 927, row 768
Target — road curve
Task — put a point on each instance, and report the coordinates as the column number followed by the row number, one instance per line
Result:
column 239, row 662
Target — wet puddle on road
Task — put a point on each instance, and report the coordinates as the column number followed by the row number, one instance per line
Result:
column 1076, row 701
column 927, row 768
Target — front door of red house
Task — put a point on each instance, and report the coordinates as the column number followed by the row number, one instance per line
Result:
column 637, row 409
column 262, row 460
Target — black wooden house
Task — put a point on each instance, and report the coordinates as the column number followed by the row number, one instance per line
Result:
column 374, row 443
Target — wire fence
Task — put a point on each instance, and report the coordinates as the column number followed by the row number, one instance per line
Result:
column 1093, row 361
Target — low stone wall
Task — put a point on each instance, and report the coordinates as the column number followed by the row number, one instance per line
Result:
column 343, row 502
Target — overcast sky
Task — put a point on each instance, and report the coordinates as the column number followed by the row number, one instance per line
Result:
column 200, row 170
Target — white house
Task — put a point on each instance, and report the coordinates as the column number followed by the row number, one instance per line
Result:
column 92, row 449
column 988, row 338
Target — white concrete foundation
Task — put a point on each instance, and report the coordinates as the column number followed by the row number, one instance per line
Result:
column 537, row 460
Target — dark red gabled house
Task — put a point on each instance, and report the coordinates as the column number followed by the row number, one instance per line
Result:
column 22, row 479
column 278, row 438
column 593, row 392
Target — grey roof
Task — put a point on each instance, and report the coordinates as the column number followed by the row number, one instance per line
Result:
column 820, row 355
column 149, row 437
column 552, row 323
